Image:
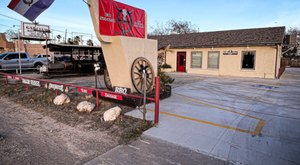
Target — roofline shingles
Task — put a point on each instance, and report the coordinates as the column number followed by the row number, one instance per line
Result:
column 243, row 37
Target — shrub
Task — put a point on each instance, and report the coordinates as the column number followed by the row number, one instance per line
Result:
column 165, row 80
column 166, row 66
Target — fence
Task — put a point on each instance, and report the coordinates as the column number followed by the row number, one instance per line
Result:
column 64, row 87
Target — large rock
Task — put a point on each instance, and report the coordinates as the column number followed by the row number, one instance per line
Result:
column 61, row 99
column 112, row 114
column 85, row 106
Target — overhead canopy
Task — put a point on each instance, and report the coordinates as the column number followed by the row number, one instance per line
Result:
column 69, row 48
column 29, row 38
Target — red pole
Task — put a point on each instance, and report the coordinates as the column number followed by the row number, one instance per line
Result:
column 27, row 88
column 97, row 99
column 157, row 92
column 56, row 92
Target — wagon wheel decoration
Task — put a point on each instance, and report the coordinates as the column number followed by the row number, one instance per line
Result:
column 107, row 81
column 140, row 65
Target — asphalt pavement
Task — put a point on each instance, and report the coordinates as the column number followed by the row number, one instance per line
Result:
column 240, row 120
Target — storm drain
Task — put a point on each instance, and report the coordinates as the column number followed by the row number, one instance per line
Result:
column 2, row 138
column 265, row 86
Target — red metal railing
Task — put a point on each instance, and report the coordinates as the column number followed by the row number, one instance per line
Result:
column 87, row 90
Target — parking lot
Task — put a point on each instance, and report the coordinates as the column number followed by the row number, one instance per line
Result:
column 242, row 120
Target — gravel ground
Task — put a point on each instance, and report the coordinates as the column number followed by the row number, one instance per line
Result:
column 35, row 131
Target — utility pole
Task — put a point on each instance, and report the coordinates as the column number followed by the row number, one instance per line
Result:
column 66, row 36
column 19, row 50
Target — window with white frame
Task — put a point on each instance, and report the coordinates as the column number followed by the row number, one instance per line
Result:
column 248, row 60
column 213, row 60
column 196, row 59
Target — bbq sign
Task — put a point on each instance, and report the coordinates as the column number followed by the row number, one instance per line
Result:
column 118, row 19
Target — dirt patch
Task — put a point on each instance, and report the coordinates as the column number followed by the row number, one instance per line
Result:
column 124, row 129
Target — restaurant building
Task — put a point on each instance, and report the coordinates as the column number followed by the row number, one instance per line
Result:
column 245, row 52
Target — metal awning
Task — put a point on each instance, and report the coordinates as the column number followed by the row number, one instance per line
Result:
column 30, row 38
column 69, row 48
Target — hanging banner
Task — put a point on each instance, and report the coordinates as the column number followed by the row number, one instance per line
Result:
column 118, row 19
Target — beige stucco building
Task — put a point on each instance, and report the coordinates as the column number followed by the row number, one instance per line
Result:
column 245, row 52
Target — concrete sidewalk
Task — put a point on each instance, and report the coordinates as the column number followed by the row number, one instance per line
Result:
column 146, row 151
column 243, row 120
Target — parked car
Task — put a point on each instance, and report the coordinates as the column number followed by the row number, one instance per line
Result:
column 42, row 56
column 10, row 60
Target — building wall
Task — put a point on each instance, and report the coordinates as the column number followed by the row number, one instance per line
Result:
column 33, row 49
column 231, row 65
column 5, row 45
column 30, row 48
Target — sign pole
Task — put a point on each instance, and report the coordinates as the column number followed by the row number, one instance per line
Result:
column 97, row 98
column 19, row 48
column 157, row 93
column 145, row 94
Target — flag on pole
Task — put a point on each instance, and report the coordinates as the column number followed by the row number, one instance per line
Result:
column 30, row 9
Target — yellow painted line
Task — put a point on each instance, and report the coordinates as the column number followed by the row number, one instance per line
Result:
column 259, row 127
column 257, row 130
column 204, row 122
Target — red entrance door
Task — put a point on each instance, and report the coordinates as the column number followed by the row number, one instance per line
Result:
column 181, row 56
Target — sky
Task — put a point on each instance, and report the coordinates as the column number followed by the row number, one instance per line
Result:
column 206, row 15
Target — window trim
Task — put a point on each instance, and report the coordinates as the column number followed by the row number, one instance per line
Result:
column 242, row 58
column 200, row 58
column 218, row 59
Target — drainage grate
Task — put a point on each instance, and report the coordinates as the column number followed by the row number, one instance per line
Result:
column 2, row 138
column 265, row 86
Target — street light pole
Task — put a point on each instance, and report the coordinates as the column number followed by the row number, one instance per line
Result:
column 19, row 49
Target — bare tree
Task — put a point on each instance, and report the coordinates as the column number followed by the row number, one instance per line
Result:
column 174, row 27
column 11, row 34
column 181, row 27
column 295, row 31
column 160, row 29
column 293, row 41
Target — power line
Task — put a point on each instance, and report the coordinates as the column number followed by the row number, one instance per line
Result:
column 5, row 25
column 10, row 17
column 71, row 33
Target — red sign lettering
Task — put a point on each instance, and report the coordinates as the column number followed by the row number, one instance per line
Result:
column 111, row 96
column 17, row 78
column 83, row 90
